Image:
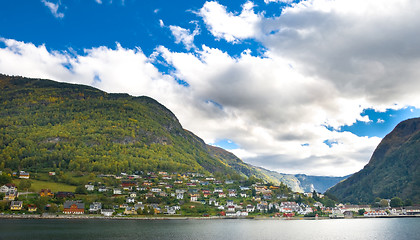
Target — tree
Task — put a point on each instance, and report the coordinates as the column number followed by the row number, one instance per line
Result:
column 384, row 203
column 24, row 184
column 5, row 178
column 408, row 202
column 81, row 190
column 396, row 202
column 361, row 211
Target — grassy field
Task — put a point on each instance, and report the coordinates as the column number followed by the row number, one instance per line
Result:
column 55, row 187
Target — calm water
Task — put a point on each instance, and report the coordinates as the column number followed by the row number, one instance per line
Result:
column 395, row 228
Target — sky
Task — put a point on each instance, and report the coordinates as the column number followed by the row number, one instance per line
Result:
column 292, row 86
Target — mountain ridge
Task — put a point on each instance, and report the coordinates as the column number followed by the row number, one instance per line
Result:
column 393, row 170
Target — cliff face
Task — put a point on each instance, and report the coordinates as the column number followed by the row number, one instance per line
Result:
column 393, row 169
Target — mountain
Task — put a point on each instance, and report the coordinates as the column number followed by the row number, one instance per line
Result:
column 47, row 125
column 318, row 183
column 393, row 169
column 297, row 182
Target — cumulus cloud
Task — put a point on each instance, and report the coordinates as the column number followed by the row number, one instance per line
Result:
column 53, row 8
column 98, row 1
column 120, row 70
column 325, row 62
column 284, row 1
column 230, row 26
column 183, row 35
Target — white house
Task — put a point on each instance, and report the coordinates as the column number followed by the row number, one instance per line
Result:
column 107, row 212
column 95, row 207
column 90, row 187
column 117, row 191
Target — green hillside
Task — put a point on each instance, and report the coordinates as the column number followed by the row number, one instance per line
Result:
column 51, row 126
column 393, row 170
column 46, row 125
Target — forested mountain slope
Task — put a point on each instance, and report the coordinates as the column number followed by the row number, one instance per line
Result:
column 392, row 171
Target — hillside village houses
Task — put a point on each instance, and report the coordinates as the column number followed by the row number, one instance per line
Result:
column 177, row 194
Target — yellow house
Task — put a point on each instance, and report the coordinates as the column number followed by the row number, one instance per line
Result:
column 16, row 205
column 32, row 208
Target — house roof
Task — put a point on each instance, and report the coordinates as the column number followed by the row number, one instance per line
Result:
column 68, row 204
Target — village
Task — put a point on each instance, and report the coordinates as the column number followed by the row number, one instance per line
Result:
column 163, row 194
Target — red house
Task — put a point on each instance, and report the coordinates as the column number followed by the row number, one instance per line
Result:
column 74, row 207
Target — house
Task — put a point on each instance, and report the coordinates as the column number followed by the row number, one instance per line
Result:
column 16, row 205
column 102, row 189
column 289, row 207
column 130, row 200
column 8, row 187
column 149, row 195
column 11, row 195
column 128, row 185
column 51, row 173
column 232, row 193
column 230, row 209
column 375, row 213
column 117, row 191
column 124, row 205
column 46, row 193
column 336, row 213
column 348, row 214
column 73, row 207
column 194, row 197
column 212, row 201
column 24, row 175
column 163, row 194
column 139, row 205
column 133, row 194
column 222, row 195
column 170, row 211
column 107, row 212
column 354, row 208
column 242, row 213
column 90, row 187
column 180, row 196
column 130, row 211
column 95, row 207
column 250, row 208
column 412, row 210
column 32, row 208
column 308, row 194
column 243, row 195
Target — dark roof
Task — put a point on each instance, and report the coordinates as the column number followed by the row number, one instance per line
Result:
column 68, row 204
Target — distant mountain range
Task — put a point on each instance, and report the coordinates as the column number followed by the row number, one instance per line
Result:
column 393, row 170
column 47, row 125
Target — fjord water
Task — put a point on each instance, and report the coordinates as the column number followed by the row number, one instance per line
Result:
column 384, row 229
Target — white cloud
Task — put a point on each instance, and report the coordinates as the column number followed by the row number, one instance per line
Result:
column 346, row 56
column 183, row 35
column 98, row 1
column 283, row 1
column 229, row 26
column 53, row 8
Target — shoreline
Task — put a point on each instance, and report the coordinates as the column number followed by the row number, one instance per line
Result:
column 97, row 217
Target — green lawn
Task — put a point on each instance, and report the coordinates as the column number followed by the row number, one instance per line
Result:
column 55, row 187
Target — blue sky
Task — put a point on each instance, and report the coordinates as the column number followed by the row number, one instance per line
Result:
column 293, row 86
